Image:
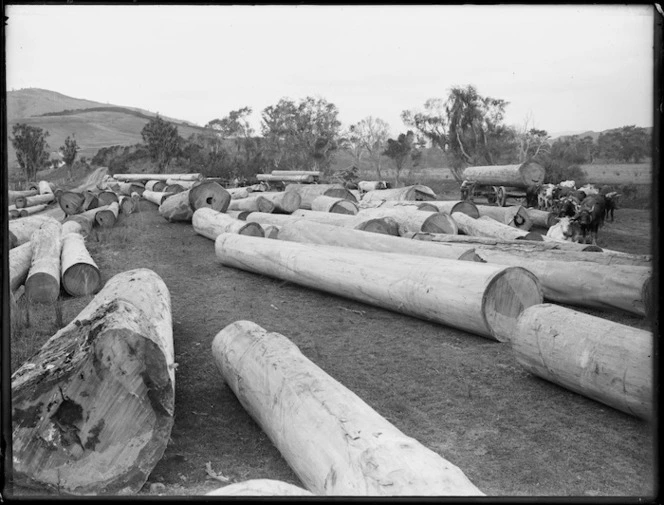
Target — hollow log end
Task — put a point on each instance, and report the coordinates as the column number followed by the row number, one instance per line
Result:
column 209, row 194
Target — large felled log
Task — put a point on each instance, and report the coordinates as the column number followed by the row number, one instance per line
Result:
column 72, row 227
column 386, row 225
column 606, row 361
column 29, row 201
column 463, row 206
column 107, row 216
column 311, row 232
column 12, row 195
column 107, row 197
column 413, row 220
column 486, row 227
column 20, row 258
column 519, row 176
column 516, row 216
column 127, row 188
column 209, row 194
column 239, row 214
column 157, row 177
column 285, row 202
column 260, row 487
column 174, row 188
column 154, row 185
column 253, row 203
column 156, row 197
column 90, row 201
column 308, row 192
column 417, row 192
column 127, row 204
column 71, row 202
column 86, row 220
column 476, row 297
column 93, row 410
column 303, row 178
column 28, row 211
column 541, row 218
column 372, row 204
column 176, row 208
column 322, row 428
column 80, row 274
column 180, row 182
column 211, row 224
column 585, row 284
column 239, row 193
column 315, row 173
column 324, row 203
column 43, row 282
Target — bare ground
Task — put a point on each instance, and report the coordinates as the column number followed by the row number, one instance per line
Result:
column 461, row 395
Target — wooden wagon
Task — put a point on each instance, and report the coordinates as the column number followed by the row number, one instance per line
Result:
column 496, row 183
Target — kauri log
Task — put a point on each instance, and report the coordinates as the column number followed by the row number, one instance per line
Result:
column 12, row 195
column 20, row 258
column 253, row 203
column 209, row 194
column 413, row 220
column 285, row 202
column 27, row 211
column 417, row 192
column 324, row 203
column 372, row 204
column 92, row 411
column 154, row 185
column 71, row 202
column 260, row 487
column 156, row 197
column 516, row 216
column 29, row 201
column 519, row 176
column 80, row 274
column 107, row 197
column 334, row 441
column 464, row 206
column 43, row 282
column 211, row 224
column 486, row 227
column 158, row 177
column 308, row 192
column 311, row 232
column 609, row 362
column 387, row 225
column 479, row 298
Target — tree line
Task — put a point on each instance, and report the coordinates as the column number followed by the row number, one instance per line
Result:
column 307, row 134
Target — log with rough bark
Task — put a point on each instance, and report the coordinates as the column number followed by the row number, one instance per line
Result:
column 270, row 231
column 93, row 410
column 43, row 282
column 208, row 194
column 80, row 274
column 24, row 228
column 28, row 211
column 12, row 195
column 71, row 202
column 541, row 218
column 413, row 220
column 157, row 177
column 324, row 203
column 127, row 204
column 306, row 179
column 463, row 206
column 609, row 362
column 90, row 201
column 417, row 193
column 239, row 214
column 107, row 197
column 253, row 203
column 285, row 202
column 20, row 258
column 107, row 216
column 516, row 216
column 308, row 192
column 386, row 225
column 156, row 197
column 154, row 185
column 486, row 227
column 260, row 487
column 238, row 193
column 311, row 232
column 585, row 284
column 519, row 176
column 29, row 201
column 334, row 441
column 476, row 297
column 211, row 224
column 45, row 188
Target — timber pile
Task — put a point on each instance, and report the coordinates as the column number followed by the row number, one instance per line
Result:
column 181, row 206
column 238, row 193
column 397, row 203
column 107, row 197
column 80, row 274
column 479, row 298
column 71, row 202
column 182, row 183
column 128, row 188
column 309, row 192
column 609, row 362
column 23, row 229
column 155, row 185
column 156, row 197
column 211, row 224
column 13, row 195
column 518, row 176
column 331, row 430
column 127, row 204
column 486, row 227
column 239, row 214
column 35, row 209
column 260, row 487
column 174, row 188
column 413, row 220
column 92, row 411
column 515, row 216
column 416, row 192
column 143, row 178
column 43, row 282
column 387, row 225
column 463, row 206
column 324, row 203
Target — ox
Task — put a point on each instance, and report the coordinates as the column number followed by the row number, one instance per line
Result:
column 565, row 229
column 589, row 189
column 568, row 206
column 591, row 216
column 545, row 197
column 365, row 186
column 568, row 184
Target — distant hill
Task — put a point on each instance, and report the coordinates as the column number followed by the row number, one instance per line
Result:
column 595, row 135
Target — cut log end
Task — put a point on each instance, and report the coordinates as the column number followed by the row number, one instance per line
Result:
column 71, row 202
column 42, row 288
column 509, row 292
column 344, row 207
column 387, row 226
column 252, row 229
column 105, row 218
column 106, row 198
column 440, row 222
column 211, row 195
column 81, row 279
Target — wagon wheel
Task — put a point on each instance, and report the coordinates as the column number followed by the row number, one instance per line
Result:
column 501, row 196
column 491, row 197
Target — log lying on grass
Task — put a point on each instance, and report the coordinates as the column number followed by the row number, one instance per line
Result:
column 127, row 188
column 585, row 284
column 107, row 216
column 372, row 204
column 476, row 297
column 80, row 274
column 606, row 361
column 107, row 197
column 45, row 187
column 324, row 203
column 311, row 232
column 181, row 206
column 155, row 185
column 253, row 203
column 28, row 211
column 463, row 206
column 20, row 258
column 93, row 410
column 71, row 202
column 413, row 220
column 30, row 201
column 12, row 195
column 541, row 218
column 260, row 487
column 417, row 192
column 211, row 224
column 386, row 225
column 285, row 202
column 127, row 204
column 157, row 177
column 308, row 192
column 43, row 282
column 486, row 227
column 303, row 178
column 520, row 176
column 322, row 428
column 156, row 197
column 24, row 228
column 516, row 216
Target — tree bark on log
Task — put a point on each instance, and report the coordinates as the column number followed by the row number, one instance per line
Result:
column 334, row 441
column 260, row 487
column 20, row 259
column 585, row 284
column 541, row 218
column 45, row 188
column 30, row 201
column 463, row 206
column 311, row 232
column 155, row 197
column 157, row 177
column 515, row 216
column 308, row 192
column 209, row 194
column 486, row 227
column 107, row 197
column 253, row 203
column 43, row 282
column 126, row 204
column 28, row 211
column 106, row 217
column 519, row 176
column 476, row 297
column 211, row 224
column 285, row 202
column 416, row 193
column 12, row 195
column 608, row 362
column 71, row 202
column 93, row 410
column 307, row 179
column 413, row 220
column 155, row 185
column 324, row 203
column 80, row 274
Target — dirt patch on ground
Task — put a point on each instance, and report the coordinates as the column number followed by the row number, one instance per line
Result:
column 461, row 395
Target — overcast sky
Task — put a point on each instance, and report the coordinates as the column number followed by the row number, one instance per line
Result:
column 567, row 67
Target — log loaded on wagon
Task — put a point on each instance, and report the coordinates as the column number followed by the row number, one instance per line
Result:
column 497, row 182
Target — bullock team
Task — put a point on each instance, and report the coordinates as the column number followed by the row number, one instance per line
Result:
column 580, row 211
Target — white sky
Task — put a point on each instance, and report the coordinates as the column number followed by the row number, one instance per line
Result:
column 570, row 67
